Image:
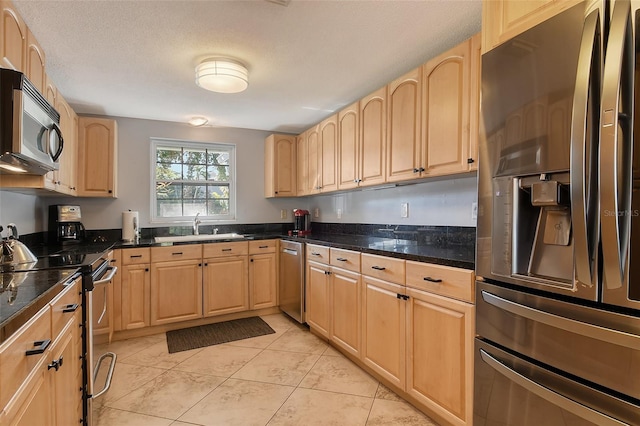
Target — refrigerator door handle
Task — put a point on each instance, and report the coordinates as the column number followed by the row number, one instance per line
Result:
column 592, row 331
column 548, row 394
column 588, row 77
column 615, row 147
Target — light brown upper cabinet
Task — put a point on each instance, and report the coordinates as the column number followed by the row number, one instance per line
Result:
column 404, row 120
column 97, row 156
column 66, row 177
column 474, row 116
column 280, row 166
column 328, row 144
column 362, row 137
column 314, row 162
column 302, row 165
column 446, row 110
column 35, row 63
column 505, row 19
column 13, row 38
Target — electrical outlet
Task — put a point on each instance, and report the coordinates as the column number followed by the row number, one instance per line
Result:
column 283, row 214
column 339, row 213
column 474, row 211
column 316, row 213
column 404, row 210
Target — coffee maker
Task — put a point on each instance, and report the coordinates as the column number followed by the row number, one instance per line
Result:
column 64, row 224
column 302, row 222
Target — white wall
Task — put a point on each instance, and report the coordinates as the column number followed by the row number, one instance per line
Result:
column 444, row 202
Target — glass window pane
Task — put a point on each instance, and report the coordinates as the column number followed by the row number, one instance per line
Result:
column 215, row 191
column 194, row 192
column 195, row 156
column 170, row 208
column 194, row 172
column 218, row 173
column 168, row 190
column 167, row 171
column 169, row 155
column 217, row 207
column 191, row 208
column 218, row 158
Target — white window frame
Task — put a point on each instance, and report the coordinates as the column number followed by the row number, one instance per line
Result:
column 177, row 143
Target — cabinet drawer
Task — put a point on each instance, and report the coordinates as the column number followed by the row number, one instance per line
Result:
column 16, row 364
column 136, row 256
column 225, row 249
column 318, row 253
column 181, row 252
column 345, row 259
column 65, row 306
column 263, row 246
column 444, row 280
column 384, row 268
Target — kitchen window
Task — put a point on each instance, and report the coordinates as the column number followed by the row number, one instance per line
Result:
column 191, row 178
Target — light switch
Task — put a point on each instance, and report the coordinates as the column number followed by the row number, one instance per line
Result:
column 404, row 210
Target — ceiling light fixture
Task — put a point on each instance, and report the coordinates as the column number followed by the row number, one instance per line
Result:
column 198, row 121
column 222, row 75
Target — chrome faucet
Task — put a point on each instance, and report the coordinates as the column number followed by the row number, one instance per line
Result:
column 196, row 224
column 215, row 231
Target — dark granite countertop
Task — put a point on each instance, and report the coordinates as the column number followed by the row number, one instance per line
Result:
column 459, row 255
column 23, row 294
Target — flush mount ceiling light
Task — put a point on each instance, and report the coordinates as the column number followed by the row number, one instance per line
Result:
column 222, row 75
column 198, row 121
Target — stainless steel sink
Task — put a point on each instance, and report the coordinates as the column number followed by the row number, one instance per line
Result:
column 201, row 237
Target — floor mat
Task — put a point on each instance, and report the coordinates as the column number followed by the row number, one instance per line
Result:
column 214, row 334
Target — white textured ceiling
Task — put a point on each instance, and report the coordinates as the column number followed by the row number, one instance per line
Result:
column 306, row 60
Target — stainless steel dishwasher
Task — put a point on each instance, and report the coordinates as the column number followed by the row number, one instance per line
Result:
column 292, row 295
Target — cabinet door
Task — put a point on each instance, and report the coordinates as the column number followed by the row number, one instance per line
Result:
column 13, row 38
column 474, row 108
column 97, row 145
column 225, row 285
column 348, row 147
column 280, row 166
column 373, row 138
column 404, row 140
column 116, row 261
column 65, row 389
column 176, row 291
column 314, row 164
column 262, row 281
column 317, row 298
column 505, row 19
column 346, row 310
column 383, row 329
column 135, row 301
column 35, row 63
column 440, row 354
column 302, row 166
column 328, row 154
column 446, row 112
column 65, row 182
column 36, row 399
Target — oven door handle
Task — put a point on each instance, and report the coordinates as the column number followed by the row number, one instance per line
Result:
column 107, row 382
column 111, row 271
column 573, row 326
column 552, row 396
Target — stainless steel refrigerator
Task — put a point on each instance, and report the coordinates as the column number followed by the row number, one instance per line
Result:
column 558, row 236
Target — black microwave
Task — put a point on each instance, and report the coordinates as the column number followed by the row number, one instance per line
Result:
column 30, row 137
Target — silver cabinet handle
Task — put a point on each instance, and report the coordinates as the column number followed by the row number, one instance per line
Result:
column 615, row 146
column 573, row 326
column 582, row 176
column 548, row 394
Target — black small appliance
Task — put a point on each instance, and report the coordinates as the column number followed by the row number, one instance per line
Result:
column 64, row 224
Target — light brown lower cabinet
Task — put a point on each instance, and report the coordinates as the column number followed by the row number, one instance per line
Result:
column 135, row 296
column 317, row 297
column 176, row 291
column 262, row 281
column 346, row 310
column 225, row 285
column 440, row 333
column 384, row 329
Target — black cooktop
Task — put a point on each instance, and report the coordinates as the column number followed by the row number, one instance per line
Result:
column 83, row 256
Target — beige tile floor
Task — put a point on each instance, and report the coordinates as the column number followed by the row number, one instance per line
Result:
column 287, row 378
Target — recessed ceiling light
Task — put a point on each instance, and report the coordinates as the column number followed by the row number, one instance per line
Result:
column 222, row 75
column 198, row 121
